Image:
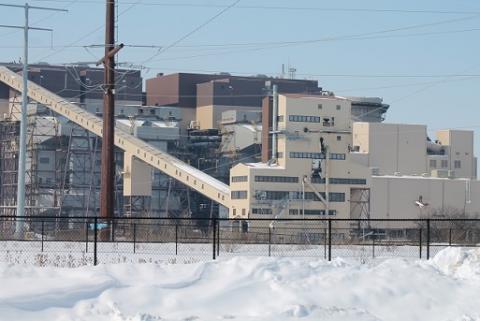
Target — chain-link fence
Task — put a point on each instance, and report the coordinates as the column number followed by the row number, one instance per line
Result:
column 76, row 241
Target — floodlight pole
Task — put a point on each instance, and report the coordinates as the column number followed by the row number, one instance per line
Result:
column 23, row 114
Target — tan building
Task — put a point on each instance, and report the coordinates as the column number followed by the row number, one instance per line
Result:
column 391, row 148
column 329, row 166
column 296, row 184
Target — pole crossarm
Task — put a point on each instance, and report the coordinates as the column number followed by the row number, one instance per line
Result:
column 31, row 7
column 111, row 54
column 23, row 27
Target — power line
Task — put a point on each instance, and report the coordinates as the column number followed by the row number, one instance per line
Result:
column 246, row 44
column 276, row 7
column 194, row 30
column 358, row 36
column 50, row 15
column 88, row 34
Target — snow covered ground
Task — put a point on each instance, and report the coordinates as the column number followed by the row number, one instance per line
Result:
column 249, row 288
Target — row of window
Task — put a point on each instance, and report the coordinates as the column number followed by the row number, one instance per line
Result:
column 444, row 163
column 281, row 195
column 304, row 119
column 262, row 211
column 236, row 179
column 311, row 212
column 335, row 156
column 348, row 181
column 237, row 195
column 268, row 211
column 293, row 179
column 276, row 179
column 307, row 155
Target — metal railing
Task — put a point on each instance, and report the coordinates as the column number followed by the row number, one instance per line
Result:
column 75, row 241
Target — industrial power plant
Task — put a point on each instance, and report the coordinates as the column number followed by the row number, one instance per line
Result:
column 217, row 145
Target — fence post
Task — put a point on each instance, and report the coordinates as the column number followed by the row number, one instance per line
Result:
column 95, row 231
column 43, row 231
column 428, row 239
column 420, row 241
column 218, row 238
column 86, row 236
column 329, row 239
column 113, row 231
column 324, row 243
column 450, row 237
column 134, row 237
column 373, row 247
column 269, row 241
column 214, row 241
column 176, row 238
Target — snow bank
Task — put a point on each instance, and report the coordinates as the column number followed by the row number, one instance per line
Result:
column 248, row 288
column 458, row 262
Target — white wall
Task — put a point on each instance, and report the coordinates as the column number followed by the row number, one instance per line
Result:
column 393, row 147
column 394, row 197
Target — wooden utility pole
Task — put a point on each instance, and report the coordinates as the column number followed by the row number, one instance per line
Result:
column 107, row 191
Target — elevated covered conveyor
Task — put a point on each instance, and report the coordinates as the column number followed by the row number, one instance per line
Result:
column 173, row 167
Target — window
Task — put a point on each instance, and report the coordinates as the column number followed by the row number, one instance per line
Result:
column 304, row 119
column 336, row 197
column 318, row 180
column 339, row 138
column 262, row 211
column 433, row 163
column 44, row 160
column 458, row 164
column 338, row 107
column 348, row 181
column 307, row 155
column 236, row 179
column 320, row 106
column 294, row 195
column 311, row 212
column 444, row 163
column 276, row 179
column 239, row 195
column 152, row 111
column 337, row 156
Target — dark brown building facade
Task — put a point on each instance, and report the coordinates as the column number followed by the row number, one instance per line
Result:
column 193, row 90
column 79, row 82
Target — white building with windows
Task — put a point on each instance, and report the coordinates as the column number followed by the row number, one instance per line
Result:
column 327, row 165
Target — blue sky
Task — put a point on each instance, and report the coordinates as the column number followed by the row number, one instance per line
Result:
column 419, row 69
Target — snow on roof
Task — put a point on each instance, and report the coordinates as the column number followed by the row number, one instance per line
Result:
column 264, row 165
column 421, row 177
column 251, row 127
column 314, row 96
column 207, row 179
column 164, row 124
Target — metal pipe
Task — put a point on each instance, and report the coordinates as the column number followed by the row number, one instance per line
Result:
column 19, row 225
column 274, row 122
column 303, row 198
column 327, row 184
column 22, row 153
